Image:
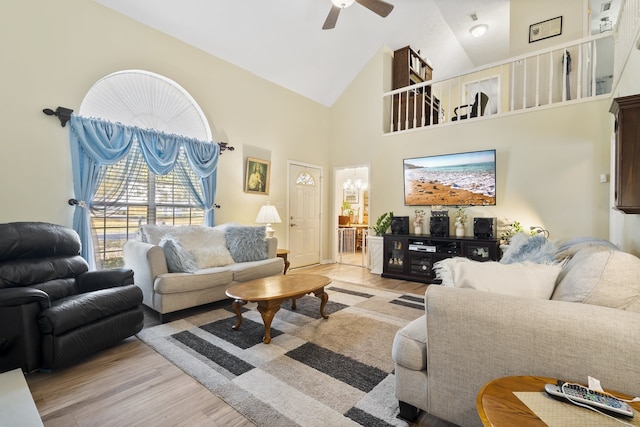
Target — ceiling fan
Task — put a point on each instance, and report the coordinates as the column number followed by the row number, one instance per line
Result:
column 380, row 7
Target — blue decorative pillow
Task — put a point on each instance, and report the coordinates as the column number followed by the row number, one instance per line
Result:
column 246, row 243
column 179, row 260
column 536, row 249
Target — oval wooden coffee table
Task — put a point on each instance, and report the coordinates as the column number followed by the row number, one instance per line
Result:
column 270, row 292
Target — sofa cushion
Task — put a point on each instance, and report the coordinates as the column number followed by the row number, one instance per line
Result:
column 179, row 260
column 175, row 283
column 609, row 278
column 246, row 243
column 410, row 345
column 526, row 279
column 255, row 269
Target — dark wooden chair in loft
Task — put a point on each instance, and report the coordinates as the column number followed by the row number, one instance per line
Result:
column 480, row 103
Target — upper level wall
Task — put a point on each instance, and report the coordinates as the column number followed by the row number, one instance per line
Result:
column 549, row 161
column 526, row 12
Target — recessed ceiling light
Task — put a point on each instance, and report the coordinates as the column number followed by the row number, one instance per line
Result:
column 478, row 30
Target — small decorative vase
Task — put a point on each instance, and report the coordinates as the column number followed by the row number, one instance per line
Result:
column 459, row 231
column 417, row 229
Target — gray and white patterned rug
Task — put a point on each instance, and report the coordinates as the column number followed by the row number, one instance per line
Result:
column 315, row 372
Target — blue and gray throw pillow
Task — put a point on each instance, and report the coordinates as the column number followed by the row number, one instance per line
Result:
column 535, row 249
column 179, row 260
column 246, row 243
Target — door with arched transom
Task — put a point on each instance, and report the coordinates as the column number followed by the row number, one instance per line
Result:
column 304, row 214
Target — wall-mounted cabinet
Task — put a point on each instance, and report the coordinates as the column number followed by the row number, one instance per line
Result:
column 627, row 153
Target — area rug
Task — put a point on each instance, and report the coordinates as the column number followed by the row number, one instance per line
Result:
column 315, row 372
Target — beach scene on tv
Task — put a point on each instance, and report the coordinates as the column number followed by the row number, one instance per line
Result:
column 451, row 179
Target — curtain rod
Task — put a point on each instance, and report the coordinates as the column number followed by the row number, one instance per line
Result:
column 64, row 114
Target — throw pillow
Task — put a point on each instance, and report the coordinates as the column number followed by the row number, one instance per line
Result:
column 570, row 247
column 527, row 279
column 179, row 260
column 210, row 249
column 530, row 248
column 246, row 243
column 607, row 278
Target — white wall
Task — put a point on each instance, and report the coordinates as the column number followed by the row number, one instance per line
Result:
column 625, row 228
column 548, row 162
column 53, row 52
column 527, row 12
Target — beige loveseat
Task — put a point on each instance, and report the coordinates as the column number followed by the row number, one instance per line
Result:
column 217, row 258
column 589, row 327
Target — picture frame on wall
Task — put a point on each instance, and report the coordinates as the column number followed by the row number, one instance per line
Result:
column 257, row 176
column 350, row 196
column 545, row 29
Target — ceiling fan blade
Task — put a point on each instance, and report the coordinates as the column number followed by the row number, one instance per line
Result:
column 380, row 7
column 332, row 18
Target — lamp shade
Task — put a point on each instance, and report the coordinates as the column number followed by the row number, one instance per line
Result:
column 268, row 215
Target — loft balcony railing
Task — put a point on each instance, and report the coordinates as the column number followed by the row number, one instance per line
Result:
column 569, row 72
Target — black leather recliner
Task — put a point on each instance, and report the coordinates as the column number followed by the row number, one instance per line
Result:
column 53, row 311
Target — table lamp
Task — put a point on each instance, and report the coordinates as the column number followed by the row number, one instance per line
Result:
column 268, row 215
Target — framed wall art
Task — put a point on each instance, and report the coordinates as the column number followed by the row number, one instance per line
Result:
column 257, row 176
column 350, row 196
column 545, row 29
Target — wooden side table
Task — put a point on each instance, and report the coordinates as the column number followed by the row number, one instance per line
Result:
column 498, row 406
column 284, row 254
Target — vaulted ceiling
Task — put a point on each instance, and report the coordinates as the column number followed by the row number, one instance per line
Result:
column 282, row 40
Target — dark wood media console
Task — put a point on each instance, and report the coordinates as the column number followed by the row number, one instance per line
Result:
column 411, row 256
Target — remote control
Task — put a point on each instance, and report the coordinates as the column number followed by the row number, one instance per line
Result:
column 581, row 394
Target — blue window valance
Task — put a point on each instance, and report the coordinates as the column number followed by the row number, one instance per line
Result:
column 96, row 143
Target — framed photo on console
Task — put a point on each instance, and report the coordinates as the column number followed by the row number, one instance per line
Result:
column 257, row 176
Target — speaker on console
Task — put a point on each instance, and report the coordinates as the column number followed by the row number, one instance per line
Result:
column 400, row 225
column 439, row 226
column 483, row 228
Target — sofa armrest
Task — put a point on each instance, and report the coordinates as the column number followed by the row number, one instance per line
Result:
column 19, row 333
column 147, row 262
column 11, row 297
column 272, row 246
column 103, row 279
column 473, row 337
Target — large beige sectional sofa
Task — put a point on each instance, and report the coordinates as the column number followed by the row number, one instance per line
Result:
column 214, row 259
column 590, row 326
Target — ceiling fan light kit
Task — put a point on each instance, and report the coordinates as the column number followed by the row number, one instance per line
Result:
column 379, row 7
column 342, row 3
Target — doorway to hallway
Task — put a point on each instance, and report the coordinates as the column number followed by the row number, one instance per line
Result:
column 351, row 217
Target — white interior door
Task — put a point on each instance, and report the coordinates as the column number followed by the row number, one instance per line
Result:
column 304, row 214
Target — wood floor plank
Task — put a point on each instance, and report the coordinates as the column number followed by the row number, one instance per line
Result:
column 130, row 384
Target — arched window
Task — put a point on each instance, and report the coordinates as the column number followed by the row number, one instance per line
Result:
column 305, row 178
column 130, row 195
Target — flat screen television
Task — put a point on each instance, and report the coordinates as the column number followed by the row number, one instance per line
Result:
column 460, row 179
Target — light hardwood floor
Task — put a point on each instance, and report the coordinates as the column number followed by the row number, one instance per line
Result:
column 130, row 384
